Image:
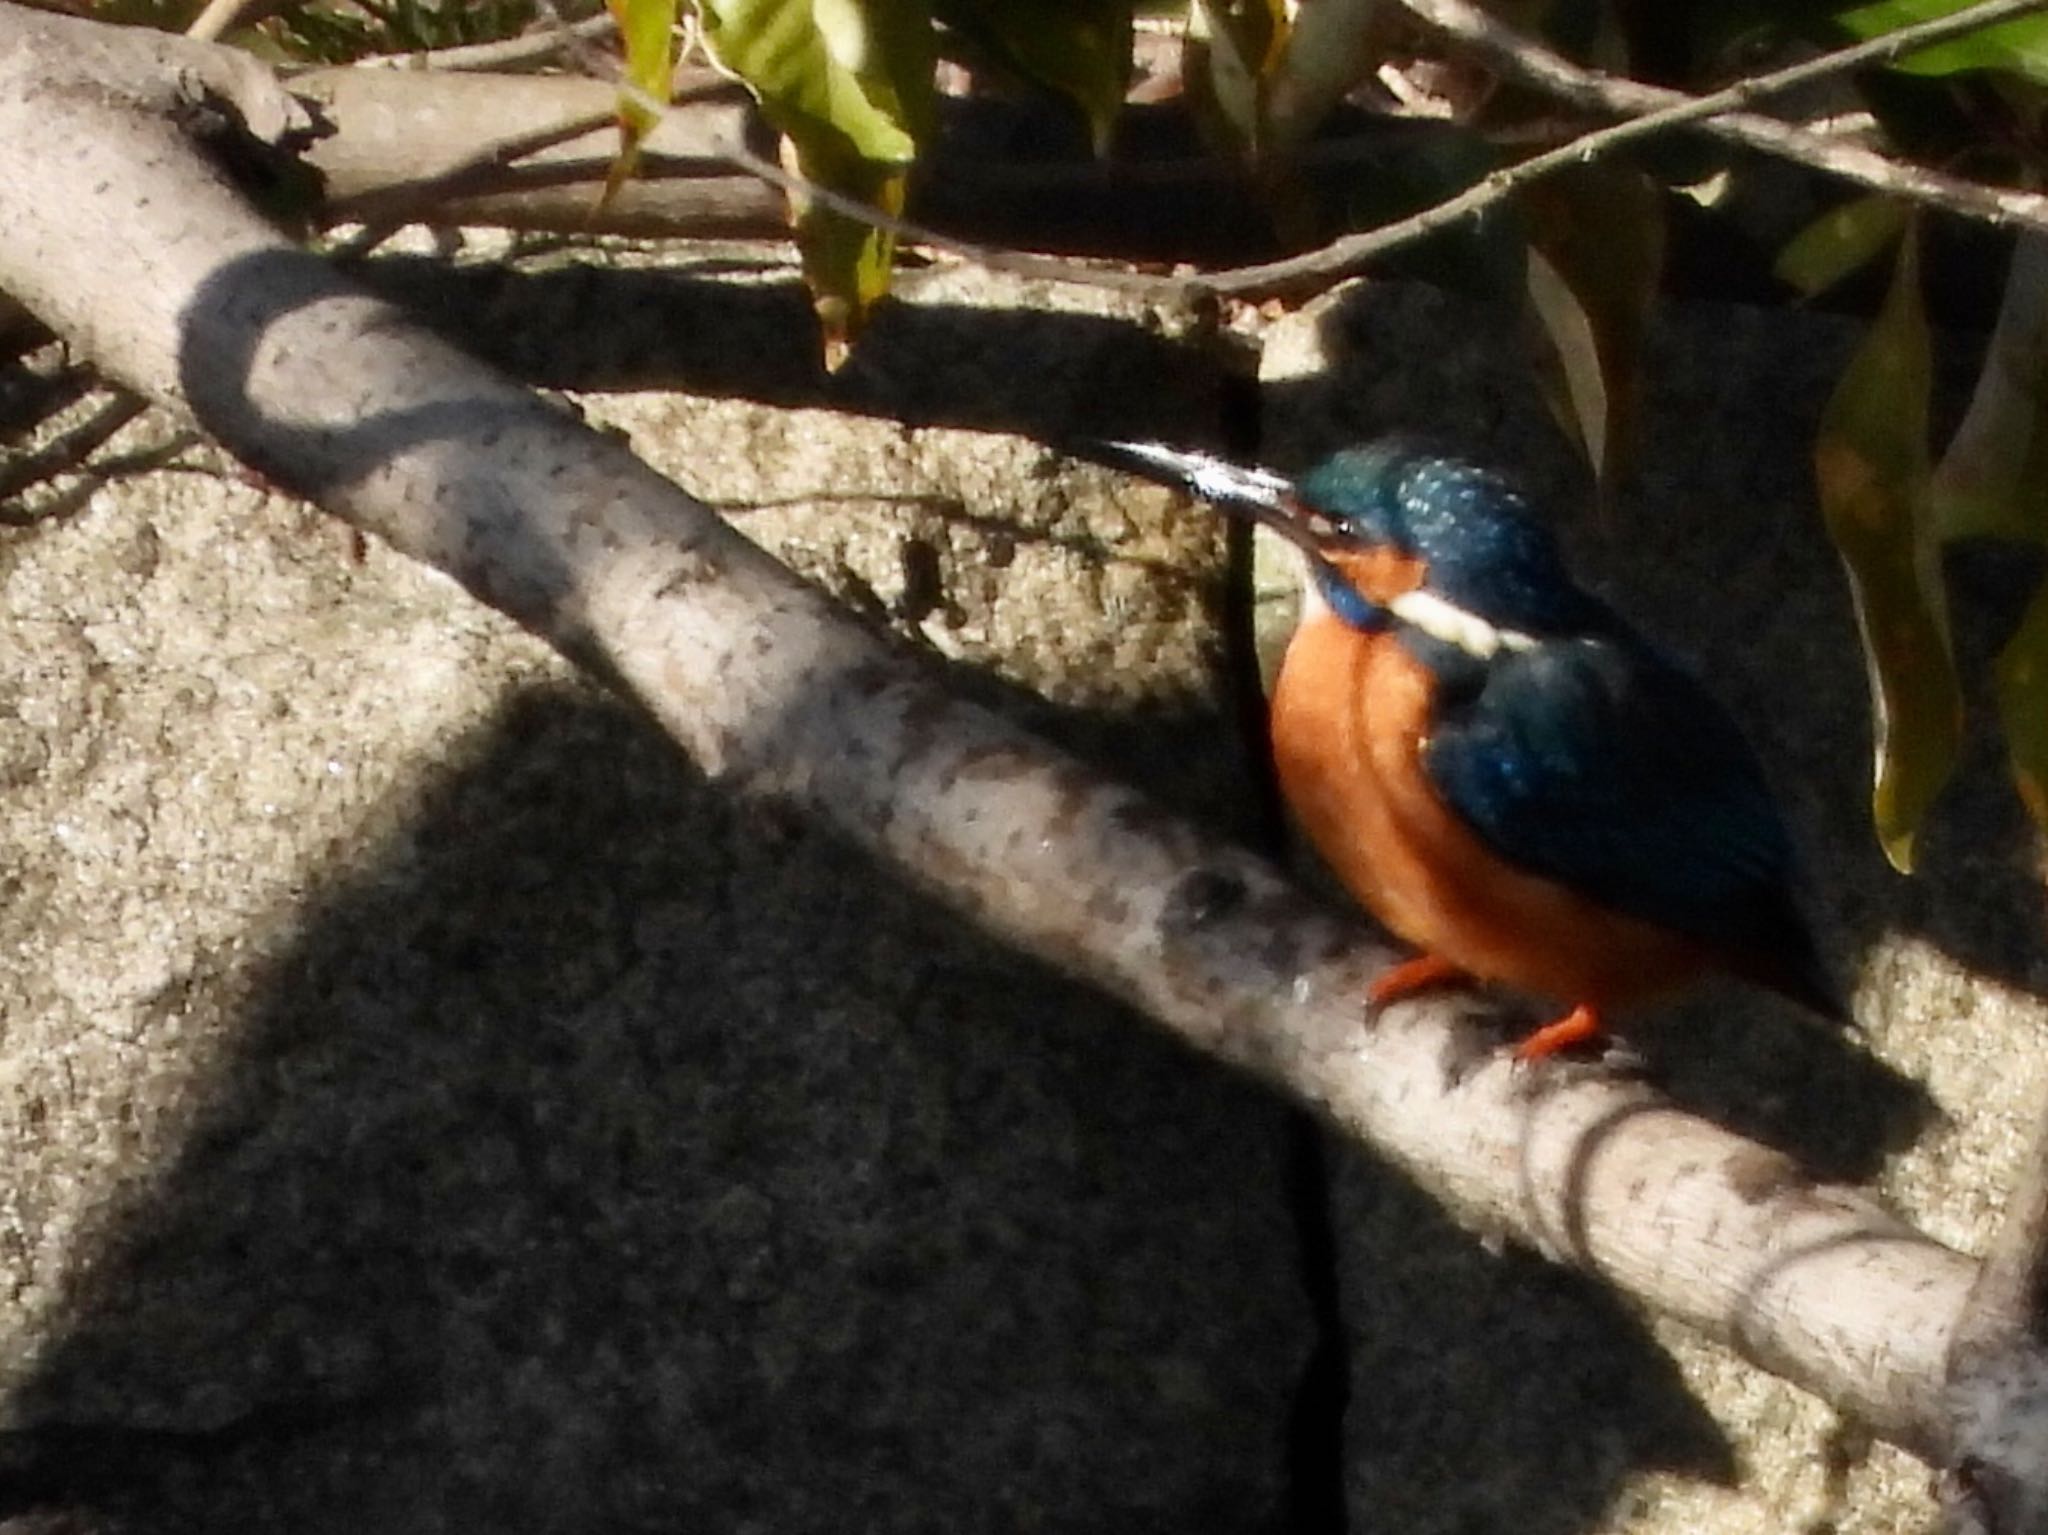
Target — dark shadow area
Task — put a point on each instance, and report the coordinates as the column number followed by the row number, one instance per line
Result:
column 605, row 1156
column 692, row 328
column 1496, row 1392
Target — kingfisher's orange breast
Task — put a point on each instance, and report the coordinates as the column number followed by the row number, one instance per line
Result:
column 1351, row 719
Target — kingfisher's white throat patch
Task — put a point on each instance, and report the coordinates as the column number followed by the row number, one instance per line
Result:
column 1453, row 625
column 1441, row 620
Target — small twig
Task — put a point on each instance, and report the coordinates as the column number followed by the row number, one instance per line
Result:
column 220, row 15
column 32, row 390
column 390, row 207
column 65, row 454
column 1822, row 146
column 506, row 56
column 1470, row 24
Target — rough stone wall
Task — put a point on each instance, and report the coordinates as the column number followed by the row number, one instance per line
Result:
column 430, row 1105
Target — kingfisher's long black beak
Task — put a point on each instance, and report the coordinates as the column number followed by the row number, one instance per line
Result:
column 1261, row 496
column 1257, row 494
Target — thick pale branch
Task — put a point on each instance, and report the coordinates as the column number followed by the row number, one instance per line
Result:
column 1997, row 1386
column 121, row 238
column 532, row 152
column 500, row 151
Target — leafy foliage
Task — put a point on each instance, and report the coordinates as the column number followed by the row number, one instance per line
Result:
column 848, row 83
column 645, row 29
column 2019, row 46
column 1876, row 492
column 1078, row 49
column 1596, row 254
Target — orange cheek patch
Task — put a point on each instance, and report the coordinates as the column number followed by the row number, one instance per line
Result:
column 1381, row 574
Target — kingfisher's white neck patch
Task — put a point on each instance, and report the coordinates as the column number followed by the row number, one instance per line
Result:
column 1456, row 626
column 1441, row 620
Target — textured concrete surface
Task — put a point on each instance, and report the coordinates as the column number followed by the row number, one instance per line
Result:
column 430, row 1106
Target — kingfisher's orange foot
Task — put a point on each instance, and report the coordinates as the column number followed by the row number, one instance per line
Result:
column 1575, row 1027
column 1422, row 973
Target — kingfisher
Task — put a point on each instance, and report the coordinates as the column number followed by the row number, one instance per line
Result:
column 1493, row 762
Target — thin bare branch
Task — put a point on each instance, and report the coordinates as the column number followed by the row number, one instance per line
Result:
column 1653, row 110
column 64, row 454
column 220, row 15
column 543, row 45
column 1874, row 50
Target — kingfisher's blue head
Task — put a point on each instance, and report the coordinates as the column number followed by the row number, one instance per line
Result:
column 1474, row 536
column 1387, row 521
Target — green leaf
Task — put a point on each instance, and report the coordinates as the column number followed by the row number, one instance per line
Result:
column 854, row 76
column 1568, row 362
column 1080, row 49
column 1993, row 480
column 848, row 83
column 1321, row 58
column 1232, row 47
column 847, row 261
column 2019, row 45
column 1872, row 469
column 1596, row 251
column 647, row 28
column 2021, row 680
column 1840, row 241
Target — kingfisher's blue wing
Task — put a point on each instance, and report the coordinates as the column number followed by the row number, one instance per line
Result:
column 1593, row 762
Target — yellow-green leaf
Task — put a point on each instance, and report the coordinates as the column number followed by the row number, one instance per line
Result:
column 2021, row 678
column 847, row 261
column 1568, row 359
column 2019, row 45
column 647, row 30
column 1596, row 251
column 1233, row 46
column 1078, row 48
column 1840, row 241
column 1993, row 480
column 848, row 83
column 1874, row 476
column 1323, row 56
column 854, row 74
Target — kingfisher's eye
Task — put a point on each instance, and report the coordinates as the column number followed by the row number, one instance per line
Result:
column 1319, row 523
column 1359, row 532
